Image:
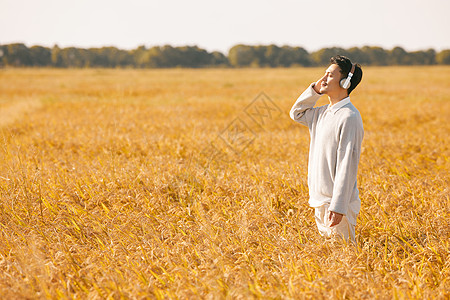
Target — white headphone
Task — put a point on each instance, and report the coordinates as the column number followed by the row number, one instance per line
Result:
column 346, row 82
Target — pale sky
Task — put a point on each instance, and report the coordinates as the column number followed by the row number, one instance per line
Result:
column 219, row 25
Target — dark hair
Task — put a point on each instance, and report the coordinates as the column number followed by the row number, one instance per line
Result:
column 345, row 66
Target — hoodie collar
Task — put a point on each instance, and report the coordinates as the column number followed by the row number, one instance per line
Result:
column 334, row 108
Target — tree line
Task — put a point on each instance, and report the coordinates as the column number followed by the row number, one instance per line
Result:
column 19, row 55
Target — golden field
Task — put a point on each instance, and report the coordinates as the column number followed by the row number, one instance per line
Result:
column 140, row 184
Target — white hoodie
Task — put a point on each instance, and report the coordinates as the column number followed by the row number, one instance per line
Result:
column 336, row 136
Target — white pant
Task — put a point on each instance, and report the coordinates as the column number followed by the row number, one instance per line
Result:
column 344, row 229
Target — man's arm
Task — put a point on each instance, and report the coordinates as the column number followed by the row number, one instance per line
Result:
column 302, row 111
column 348, row 153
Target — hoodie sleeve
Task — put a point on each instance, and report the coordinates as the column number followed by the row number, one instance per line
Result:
column 348, row 153
column 303, row 111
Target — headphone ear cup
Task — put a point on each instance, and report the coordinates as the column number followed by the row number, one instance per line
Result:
column 345, row 83
column 342, row 83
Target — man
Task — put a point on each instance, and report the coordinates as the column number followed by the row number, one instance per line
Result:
column 336, row 133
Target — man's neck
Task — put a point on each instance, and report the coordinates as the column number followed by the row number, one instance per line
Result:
column 336, row 98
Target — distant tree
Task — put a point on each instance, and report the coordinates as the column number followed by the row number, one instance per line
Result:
column 74, row 57
column 108, row 57
column 170, row 57
column 443, row 57
column 377, row 56
column 18, row 55
column 288, row 56
column 259, row 56
column 187, row 56
column 398, row 56
column 153, row 58
column 96, row 58
column 422, row 57
column 430, row 57
column 301, row 57
column 3, row 53
column 218, row 59
column 56, row 57
column 41, row 56
column 293, row 56
column 272, row 55
column 241, row 56
column 139, row 56
column 193, row 57
column 268, row 56
column 359, row 56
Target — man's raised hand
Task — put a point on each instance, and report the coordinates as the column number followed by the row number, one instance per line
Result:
column 318, row 84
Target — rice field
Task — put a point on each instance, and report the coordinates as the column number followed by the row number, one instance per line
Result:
column 192, row 184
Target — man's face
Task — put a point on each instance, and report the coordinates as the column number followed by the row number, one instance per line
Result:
column 330, row 81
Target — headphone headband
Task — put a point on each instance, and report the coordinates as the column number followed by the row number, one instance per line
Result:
column 352, row 70
column 346, row 82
